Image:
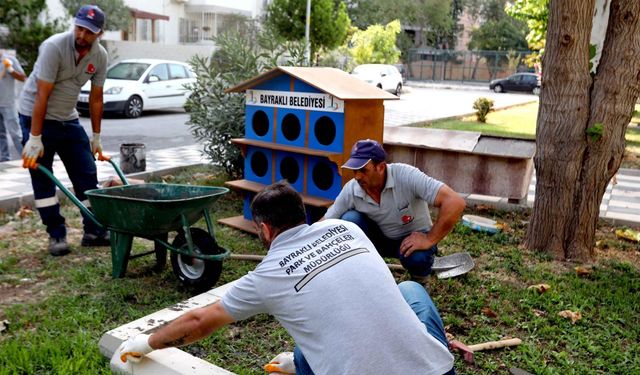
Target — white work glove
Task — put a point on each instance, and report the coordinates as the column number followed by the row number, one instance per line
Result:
column 281, row 364
column 96, row 146
column 135, row 348
column 32, row 150
column 8, row 64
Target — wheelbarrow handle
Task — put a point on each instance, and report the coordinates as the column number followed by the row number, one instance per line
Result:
column 70, row 195
column 115, row 166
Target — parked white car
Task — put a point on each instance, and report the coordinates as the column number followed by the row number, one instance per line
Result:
column 386, row 77
column 137, row 84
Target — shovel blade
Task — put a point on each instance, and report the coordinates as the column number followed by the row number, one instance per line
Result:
column 457, row 271
column 451, row 261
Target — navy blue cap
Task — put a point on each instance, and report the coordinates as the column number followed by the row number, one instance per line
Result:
column 363, row 152
column 90, row 17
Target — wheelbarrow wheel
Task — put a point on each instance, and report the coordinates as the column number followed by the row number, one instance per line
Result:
column 193, row 272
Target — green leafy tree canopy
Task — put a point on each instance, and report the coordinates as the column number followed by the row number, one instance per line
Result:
column 502, row 35
column 536, row 14
column 434, row 18
column 376, row 44
column 437, row 19
column 215, row 117
column 329, row 22
column 118, row 16
column 499, row 31
column 365, row 13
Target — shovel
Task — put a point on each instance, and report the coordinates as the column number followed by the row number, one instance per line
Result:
column 452, row 265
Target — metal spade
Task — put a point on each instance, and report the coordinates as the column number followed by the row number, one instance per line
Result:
column 453, row 265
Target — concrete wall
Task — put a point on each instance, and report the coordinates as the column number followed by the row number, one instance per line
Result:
column 121, row 50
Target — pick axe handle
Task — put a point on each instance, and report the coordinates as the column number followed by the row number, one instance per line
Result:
column 495, row 344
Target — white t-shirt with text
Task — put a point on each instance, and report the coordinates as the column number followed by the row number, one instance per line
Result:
column 329, row 288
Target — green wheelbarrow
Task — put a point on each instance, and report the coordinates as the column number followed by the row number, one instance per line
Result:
column 151, row 211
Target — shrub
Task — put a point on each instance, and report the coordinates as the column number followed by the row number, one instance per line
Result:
column 215, row 117
column 482, row 106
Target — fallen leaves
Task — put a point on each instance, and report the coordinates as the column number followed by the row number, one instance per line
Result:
column 484, row 207
column 503, row 227
column 539, row 313
column 583, row 271
column 234, row 332
column 24, row 212
column 568, row 314
column 628, row 234
column 489, row 313
column 540, row 288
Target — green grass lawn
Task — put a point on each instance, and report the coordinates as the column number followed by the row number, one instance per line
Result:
column 520, row 122
column 58, row 308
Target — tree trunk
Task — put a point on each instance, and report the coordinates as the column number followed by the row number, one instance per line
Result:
column 575, row 160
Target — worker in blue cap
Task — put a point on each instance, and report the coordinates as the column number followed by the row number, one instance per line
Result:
column 50, row 125
column 390, row 203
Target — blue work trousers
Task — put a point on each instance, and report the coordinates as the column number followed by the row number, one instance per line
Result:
column 418, row 263
column 69, row 140
column 421, row 304
column 9, row 128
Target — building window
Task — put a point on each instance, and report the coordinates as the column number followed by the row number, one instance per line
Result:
column 146, row 26
column 189, row 30
column 143, row 28
column 198, row 27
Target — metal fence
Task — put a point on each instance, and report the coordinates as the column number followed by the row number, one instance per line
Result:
column 475, row 66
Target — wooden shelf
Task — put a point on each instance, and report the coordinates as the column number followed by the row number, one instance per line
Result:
column 239, row 222
column 280, row 147
column 257, row 187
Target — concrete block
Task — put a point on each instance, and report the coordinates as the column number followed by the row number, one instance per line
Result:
column 170, row 361
column 165, row 361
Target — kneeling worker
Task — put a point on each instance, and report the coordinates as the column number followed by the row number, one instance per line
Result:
column 333, row 293
column 390, row 203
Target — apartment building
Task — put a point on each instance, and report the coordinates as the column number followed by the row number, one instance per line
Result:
column 173, row 29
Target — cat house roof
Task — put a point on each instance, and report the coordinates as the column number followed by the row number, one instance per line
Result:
column 332, row 81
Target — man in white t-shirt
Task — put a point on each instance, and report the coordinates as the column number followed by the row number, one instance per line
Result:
column 330, row 289
column 390, row 203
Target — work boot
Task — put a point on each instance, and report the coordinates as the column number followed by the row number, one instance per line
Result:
column 90, row 239
column 58, row 246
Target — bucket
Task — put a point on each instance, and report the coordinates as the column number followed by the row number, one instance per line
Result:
column 132, row 158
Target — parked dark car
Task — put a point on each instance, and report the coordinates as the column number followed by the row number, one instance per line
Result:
column 529, row 82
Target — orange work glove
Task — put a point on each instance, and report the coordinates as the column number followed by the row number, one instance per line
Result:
column 32, row 150
column 281, row 364
column 135, row 348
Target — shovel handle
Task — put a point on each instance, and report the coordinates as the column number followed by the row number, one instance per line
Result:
column 495, row 344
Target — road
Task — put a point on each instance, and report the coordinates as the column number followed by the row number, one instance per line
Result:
column 167, row 129
column 156, row 129
column 424, row 104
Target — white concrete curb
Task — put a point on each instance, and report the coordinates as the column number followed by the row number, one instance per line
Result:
column 171, row 361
